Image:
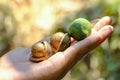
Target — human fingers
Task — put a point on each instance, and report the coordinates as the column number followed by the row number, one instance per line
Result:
column 102, row 22
column 104, row 32
column 93, row 22
column 89, row 43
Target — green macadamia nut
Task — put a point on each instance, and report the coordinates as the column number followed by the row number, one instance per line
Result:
column 80, row 28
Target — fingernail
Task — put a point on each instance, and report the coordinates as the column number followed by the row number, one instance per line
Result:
column 108, row 18
column 106, row 31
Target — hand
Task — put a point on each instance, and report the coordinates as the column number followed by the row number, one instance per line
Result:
column 16, row 64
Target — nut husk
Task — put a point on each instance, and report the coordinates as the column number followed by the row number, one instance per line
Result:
column 60, row 41
column 40, row 51
column 80, row 28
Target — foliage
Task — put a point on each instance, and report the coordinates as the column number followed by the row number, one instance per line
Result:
column 100, row 64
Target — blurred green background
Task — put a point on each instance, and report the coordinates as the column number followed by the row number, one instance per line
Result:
column 24, row 22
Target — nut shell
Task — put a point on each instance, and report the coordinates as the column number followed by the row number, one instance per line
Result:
column 60, row 41
column 40, row 51
column 65, row 42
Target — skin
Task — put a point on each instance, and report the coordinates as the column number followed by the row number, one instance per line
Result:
column 15, row 65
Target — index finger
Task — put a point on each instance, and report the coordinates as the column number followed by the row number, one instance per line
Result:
column 102, row 22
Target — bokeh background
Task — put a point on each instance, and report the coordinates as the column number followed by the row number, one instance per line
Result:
column 24, row 22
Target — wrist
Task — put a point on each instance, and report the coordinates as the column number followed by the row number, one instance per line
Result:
column 4, row 75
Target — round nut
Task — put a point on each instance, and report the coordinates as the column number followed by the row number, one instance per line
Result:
column 40, row 51
column 80, row 28
column 60, row 41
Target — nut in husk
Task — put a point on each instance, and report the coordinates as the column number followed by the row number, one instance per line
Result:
column 80, row 28
column 40, row 51
column 60, row 41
